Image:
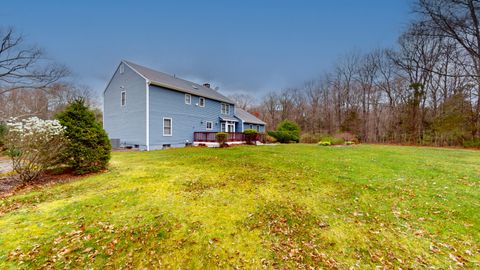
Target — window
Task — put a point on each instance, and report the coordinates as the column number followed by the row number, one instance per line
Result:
column 209, row 125
column 251, row 126
column 167, row 126
column 123, row 98
column 201, row 102
column 222, row 127
column 225, row 109
column 258, row 128
column 188, row 99
column 122, row 69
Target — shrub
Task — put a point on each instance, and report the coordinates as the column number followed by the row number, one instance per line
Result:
column 309, row 138
column 221, row 138
column 473, row 143
column 89, row 147
column 324, row 143
column 337, row 141
column 3, row 132
column 286, row 132
column 270, row 139
column 333, row 140
column 250, row 136
column 347, row 136
column 34, row 145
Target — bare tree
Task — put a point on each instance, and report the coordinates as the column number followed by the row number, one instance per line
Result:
column 23, row 66
column 457, row 20
column 243, row 101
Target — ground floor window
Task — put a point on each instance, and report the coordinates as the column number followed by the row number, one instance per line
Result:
column 167, row 126
column 209, row 125
column 228, row 126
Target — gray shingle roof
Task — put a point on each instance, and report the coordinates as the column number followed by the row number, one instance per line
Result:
column 247, row 117
column 174, row 83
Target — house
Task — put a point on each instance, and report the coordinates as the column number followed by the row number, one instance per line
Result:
column 147, row 109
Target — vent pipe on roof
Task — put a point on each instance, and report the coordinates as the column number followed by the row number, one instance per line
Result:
column 206, row 85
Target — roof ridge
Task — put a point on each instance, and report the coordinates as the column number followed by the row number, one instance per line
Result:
column 171, row 76
column 175, row 83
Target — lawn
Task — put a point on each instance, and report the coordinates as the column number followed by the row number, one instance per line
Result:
column 251, row 207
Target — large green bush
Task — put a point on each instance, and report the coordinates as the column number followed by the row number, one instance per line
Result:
column 250, row 136
column 287, row 131
column 89, row 147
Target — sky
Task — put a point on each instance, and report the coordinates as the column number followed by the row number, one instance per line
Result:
column 249, row 46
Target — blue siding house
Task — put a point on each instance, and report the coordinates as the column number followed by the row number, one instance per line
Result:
column 147, row 109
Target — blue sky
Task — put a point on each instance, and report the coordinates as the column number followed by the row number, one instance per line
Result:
column 241, row 46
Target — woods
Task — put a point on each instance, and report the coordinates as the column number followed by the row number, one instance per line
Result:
column 423, row 91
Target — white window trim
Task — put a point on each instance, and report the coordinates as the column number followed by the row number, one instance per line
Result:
column 121, row 98
column 206, row 125
column 189, row 99
column 227, row 109
column 171, row 126
column 200, row 103
column 122, row 68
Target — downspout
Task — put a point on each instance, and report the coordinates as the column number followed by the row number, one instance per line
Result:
column 147, row 116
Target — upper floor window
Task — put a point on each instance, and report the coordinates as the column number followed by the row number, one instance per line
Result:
column 225, row 109
column 188, row 99
column 122, row 68
column 123, row 98
column 201, row 102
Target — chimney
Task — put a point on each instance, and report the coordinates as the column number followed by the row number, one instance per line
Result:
column 206, row 85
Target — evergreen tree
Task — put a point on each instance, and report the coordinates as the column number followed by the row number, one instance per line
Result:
column 88, row 147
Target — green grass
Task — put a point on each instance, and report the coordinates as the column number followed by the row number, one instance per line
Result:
column 252, row 207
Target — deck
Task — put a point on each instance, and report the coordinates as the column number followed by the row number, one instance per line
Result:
column 205, row 136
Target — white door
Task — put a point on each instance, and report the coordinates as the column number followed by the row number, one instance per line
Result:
column 230, row 127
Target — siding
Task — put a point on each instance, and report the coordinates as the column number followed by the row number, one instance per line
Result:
column 186, row 119
column 254, row 126
column 126, row 123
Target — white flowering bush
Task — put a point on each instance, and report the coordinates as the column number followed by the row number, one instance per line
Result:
column 34, row 145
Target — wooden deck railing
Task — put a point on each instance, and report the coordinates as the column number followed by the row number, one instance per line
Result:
column 206, row 136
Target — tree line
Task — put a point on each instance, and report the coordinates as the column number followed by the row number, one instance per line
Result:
column 424, row 91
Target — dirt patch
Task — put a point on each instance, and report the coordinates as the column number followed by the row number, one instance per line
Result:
column 9, row 185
